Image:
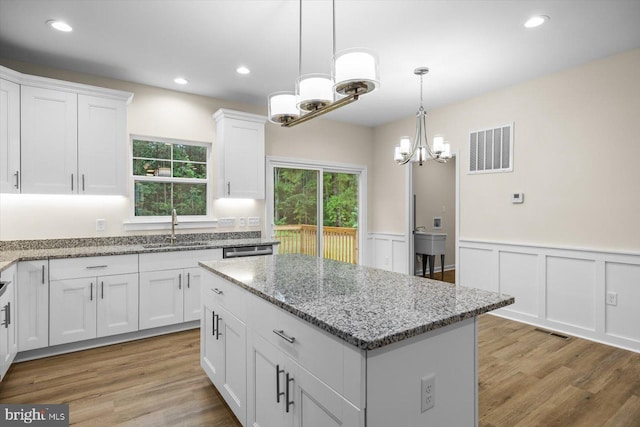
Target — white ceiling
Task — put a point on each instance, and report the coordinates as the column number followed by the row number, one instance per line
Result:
column 471, row 46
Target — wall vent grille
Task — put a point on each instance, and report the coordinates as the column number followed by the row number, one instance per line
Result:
column 491, row 150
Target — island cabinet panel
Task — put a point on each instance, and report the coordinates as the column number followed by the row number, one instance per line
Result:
column 223, row 348
column 395, row 373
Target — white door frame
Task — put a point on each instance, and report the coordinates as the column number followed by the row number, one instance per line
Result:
column 360, row 170
column 408, row 179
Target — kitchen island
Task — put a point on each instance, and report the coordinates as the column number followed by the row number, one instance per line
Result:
column 304, row 341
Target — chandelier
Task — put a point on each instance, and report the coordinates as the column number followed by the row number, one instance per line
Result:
column 420, row 150
column 354, row 73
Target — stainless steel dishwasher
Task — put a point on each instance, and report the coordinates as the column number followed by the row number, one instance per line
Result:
column 244, row 251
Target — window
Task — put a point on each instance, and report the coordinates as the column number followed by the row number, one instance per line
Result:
column 491, row 150
column 169, row 174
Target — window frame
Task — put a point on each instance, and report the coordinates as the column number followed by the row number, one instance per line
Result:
column 159, row 221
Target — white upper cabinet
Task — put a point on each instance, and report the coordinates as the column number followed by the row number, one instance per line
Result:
column 102, row 145
column 239, row 154
column 9, row 137
column 71, row 138
column 49, row 141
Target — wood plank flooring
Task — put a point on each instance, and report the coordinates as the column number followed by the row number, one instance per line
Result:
column 527, row 378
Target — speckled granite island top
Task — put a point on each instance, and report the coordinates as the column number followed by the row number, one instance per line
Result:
column 366, row 307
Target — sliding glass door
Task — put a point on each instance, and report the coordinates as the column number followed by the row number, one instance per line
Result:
column 315, row 209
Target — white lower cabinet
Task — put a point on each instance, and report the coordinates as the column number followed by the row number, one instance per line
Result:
column 223, row 349
column 280, row 390
column 33, row 304
column 8, row 330
column 92, row 297
column 93, row 307
column 170, row 286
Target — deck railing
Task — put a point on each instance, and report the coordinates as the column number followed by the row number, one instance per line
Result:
column 340, row 243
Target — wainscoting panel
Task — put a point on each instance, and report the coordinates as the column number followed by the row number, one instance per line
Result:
column 571, row 291
column 388, row 252
column 519, row 276
column 623, row 318
column 560, row 289
column 477, row 268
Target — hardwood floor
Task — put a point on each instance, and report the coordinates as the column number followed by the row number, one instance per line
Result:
column 527, row 378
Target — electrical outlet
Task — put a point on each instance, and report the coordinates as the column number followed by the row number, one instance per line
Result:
column 226, row 222
column 612, row 298
column 428, row 392
column 101, row 224
column 254, row 221
column 241, row 221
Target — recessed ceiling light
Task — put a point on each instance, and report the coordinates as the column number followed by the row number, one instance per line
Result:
column 243, row 70
column 59, row 25
column 536, row 21
column 181, row 80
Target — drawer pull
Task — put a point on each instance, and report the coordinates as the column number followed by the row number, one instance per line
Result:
column 217, row 291
column 278, row 392
column 284, row 336
column 287, row 401
column 92, row 267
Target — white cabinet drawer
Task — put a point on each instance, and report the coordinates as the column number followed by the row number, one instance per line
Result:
column 70, row 268
column 224, row 294
column 178, row 259
column 325, row 356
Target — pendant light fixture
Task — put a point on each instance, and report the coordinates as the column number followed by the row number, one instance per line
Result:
column 354, row 73
column 420, row 150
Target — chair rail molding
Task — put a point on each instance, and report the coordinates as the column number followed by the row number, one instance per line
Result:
column 560, row 288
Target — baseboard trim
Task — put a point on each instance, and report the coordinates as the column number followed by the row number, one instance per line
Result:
column 103, row 341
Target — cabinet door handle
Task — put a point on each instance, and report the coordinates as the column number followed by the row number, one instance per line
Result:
column 43, row 274
column 284, row 336
column 180, row 281
column 218, row 327
column 6, row 316
column 286, row 397
column 102, row 289
column 188, row 280
column 91, row 294
column 82, row 182
column 217, row 291
column 213, row 323
column 17, row 175
column 278, row 392
column 71, row 182
column 8, row 313
column 228, row 188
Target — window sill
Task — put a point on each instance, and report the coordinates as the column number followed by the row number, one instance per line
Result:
column 139, row 224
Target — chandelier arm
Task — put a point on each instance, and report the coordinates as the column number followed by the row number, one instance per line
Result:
column 426, row 141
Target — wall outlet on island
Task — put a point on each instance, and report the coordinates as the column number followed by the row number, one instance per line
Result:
column 428, row 392
column 612, row 298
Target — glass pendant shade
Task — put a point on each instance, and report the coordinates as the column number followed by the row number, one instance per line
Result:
column 315, row 91
column 438, row 144
column 282, row 107
column 405, row 145
column 355, row 70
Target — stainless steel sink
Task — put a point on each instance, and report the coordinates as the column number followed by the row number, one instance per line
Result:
column 174, row 245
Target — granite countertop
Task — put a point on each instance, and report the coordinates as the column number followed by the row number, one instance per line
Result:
column 367, row 307
column 35, row 250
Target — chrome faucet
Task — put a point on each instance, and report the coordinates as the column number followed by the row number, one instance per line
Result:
column 174, row 222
